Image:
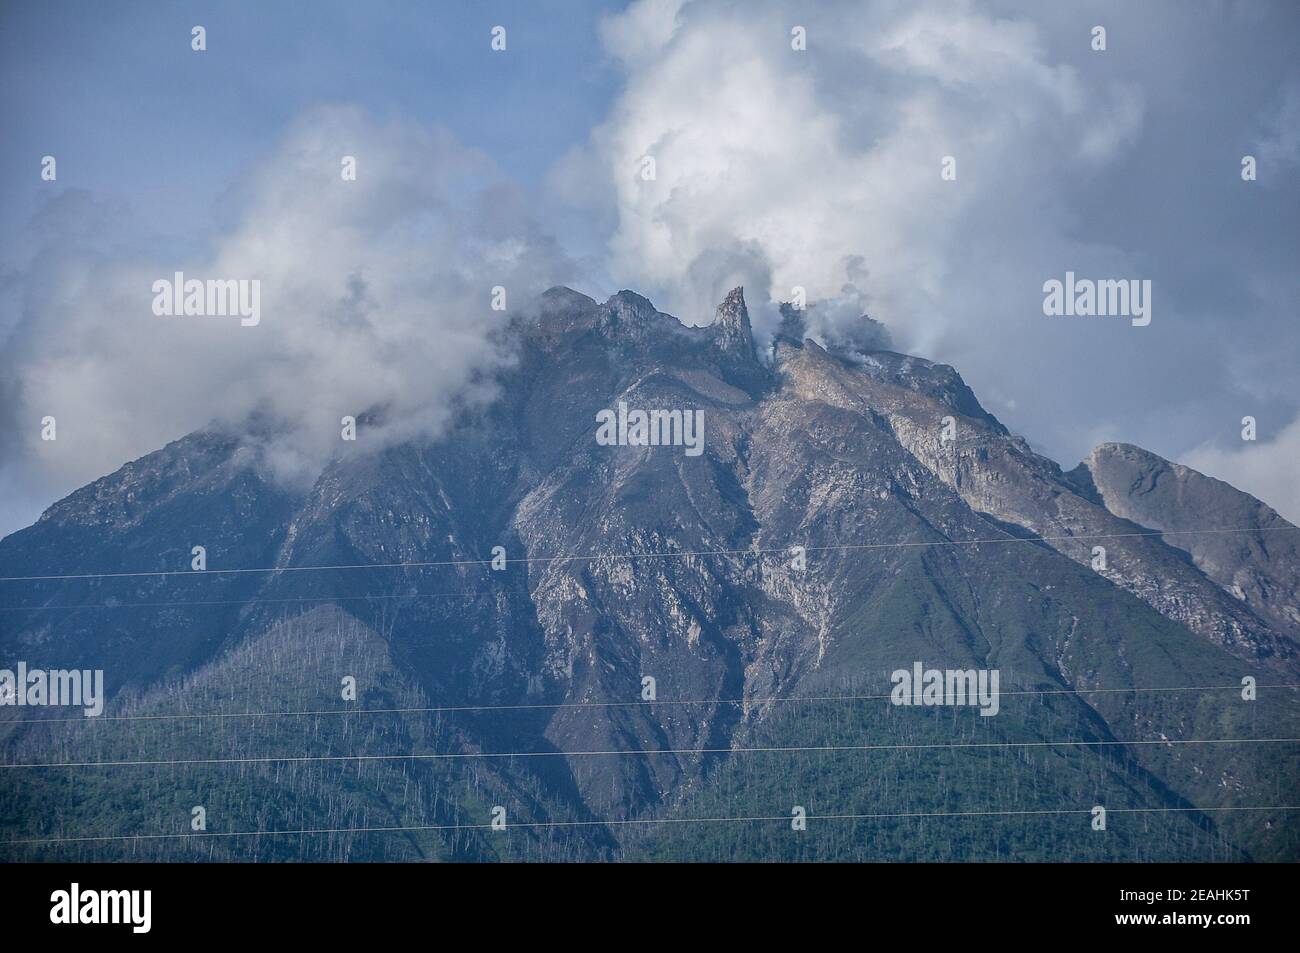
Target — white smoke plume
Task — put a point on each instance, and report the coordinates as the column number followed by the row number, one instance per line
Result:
column 375, row 293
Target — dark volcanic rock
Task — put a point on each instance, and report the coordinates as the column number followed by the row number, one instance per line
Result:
column 627, row 562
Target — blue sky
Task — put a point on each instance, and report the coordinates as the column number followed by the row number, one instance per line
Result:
column 775, row 168
column 116, row 93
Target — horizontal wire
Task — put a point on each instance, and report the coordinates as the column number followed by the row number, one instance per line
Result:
column 633, row 556
column 636, row 752
column 643, row 821
column 244, row 602
column 623, row 704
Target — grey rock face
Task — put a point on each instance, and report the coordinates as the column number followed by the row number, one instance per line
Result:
column 632, row 561
column 731, row 324
column 997, row 474
column 1261, row 569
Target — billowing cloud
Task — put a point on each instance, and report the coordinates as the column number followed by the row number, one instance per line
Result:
column 821, row 169
column 375, row 294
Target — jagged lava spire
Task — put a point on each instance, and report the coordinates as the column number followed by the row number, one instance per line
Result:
column 731, row 324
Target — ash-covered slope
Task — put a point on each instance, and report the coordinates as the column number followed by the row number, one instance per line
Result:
column 998, row 476
column 626, row 562
column 1259, row 568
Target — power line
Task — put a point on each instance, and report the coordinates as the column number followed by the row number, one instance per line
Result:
column 245, row 602
column 621, row 704
column 527, row 560
column 636, row 752
column 621, row 822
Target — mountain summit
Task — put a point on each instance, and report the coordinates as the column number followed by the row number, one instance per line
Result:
column 732, row 324
column 584, row 633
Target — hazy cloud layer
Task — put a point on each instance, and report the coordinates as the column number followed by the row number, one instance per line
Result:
column 375, row 293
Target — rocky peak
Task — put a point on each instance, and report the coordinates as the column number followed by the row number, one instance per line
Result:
column 1261, row 569
column 628, row 305
column 629, row 317
column 563, row 298
column 731, row 324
